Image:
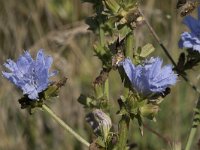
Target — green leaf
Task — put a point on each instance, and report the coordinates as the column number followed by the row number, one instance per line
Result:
column 87, row 101
column 99, row 90
column 109, row 25
column 104, row 54
column 122, row 98
column 52, row 90
column 196, row 110
column 124, row 31
column 140, row 123
column 112, row 5
column 146, row 50
column 127, row 4
column 122, row 111
column 100, row 142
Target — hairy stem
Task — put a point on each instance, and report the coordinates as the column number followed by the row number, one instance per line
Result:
column 64, row 125
column 195, row 123
column 123, row 132
column 102, row 42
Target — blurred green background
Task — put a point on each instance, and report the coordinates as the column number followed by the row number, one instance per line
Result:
column 58, row 27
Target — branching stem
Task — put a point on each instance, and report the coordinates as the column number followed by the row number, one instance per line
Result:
column 123, row 132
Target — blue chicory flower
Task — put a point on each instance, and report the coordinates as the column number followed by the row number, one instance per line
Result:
column 150, row 77
column 31, row 76
column 189, row 40
column 192, row 39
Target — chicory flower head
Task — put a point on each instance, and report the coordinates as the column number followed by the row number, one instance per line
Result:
column 31, row 76
column 191, row 39
column 150, row 77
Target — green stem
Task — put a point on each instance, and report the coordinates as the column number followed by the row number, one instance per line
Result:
column 64, row 125
column 129, row 45
column 101, row 35
column 125, row 120
column 123, row 132
column 106, row 89
column 195, row 123
column 102, row 42
column 98, row 90
column 191, row 138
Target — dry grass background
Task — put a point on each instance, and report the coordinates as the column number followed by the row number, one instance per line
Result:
column 58, row 27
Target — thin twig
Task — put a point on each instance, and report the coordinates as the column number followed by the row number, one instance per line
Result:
column 166, row 140
column 166, row 52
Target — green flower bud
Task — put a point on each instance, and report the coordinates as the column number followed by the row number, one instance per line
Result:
column 149, row 111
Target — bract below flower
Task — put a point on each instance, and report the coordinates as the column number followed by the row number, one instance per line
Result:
column 150, row 77
column 31, row 76
column 192, row 39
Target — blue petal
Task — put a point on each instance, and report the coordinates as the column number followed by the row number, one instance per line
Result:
column 129, row 69
column 154, row 67
column 31, row 91
column 188, row 40
column 11, row 65
column 48, row 62
column 10, row 77
column 165, row 78
column 23, row 64
column 191, row 40
column 42, row 80
column 27, row 55
column 150, row 77
column 192, row 23
column 31, row 76
column 33, row 95
column 40, row 59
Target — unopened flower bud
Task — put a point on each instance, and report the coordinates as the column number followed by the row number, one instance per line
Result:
column 149, row 110
column 100, row 122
